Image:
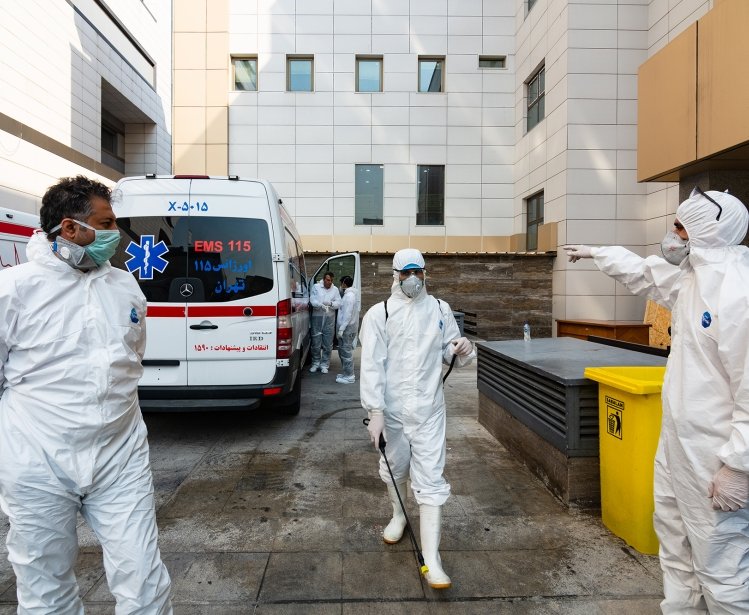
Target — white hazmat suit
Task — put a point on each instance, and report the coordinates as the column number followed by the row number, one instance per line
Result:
column 401, row 379
column 72, row 438
column 348, row 326
column 704, row 552
column 324, row 302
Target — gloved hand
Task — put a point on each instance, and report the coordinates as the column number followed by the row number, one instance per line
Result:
column 461, row 347
column 729, row 489
column 577, row 252
column 340, row 333
column 375, row 427
column 327, row 303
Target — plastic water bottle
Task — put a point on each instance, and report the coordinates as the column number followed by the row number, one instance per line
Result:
column 526, row 332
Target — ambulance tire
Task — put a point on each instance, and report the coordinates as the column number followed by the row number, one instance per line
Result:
column 292, row 403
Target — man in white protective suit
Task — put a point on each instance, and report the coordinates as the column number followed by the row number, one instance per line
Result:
column 325, row 299
column 405, row 341
column 702, row 465
column 348, row 327
column 72, row 438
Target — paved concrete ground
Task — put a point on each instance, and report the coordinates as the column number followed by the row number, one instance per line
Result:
column 275, row 516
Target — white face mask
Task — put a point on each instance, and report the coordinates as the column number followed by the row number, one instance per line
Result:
column 674, row 248
column 412, row 286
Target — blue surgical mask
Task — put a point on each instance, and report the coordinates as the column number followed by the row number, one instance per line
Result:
column 104, row 245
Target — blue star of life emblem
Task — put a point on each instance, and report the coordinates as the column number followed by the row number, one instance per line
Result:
column 146, row 257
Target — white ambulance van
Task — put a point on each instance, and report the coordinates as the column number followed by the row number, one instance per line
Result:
column 15, row 229
column 222, row 267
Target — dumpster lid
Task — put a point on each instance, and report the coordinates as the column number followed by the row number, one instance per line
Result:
column 631, row 379
column 563, row 359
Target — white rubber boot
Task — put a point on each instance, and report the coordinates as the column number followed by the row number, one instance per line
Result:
column 431, row 520
column 393, row 531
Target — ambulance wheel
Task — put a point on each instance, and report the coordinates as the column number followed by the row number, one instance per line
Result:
column 292, row 403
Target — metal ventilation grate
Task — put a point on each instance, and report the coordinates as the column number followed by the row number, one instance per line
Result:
column 564, row 415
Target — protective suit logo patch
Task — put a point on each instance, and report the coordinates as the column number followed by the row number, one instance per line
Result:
column 706, row 320
column 134, row 316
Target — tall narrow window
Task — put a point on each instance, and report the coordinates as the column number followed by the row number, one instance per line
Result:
column 430, row 208
column 431, row 74
column 369, row 74
column 368, row 191
column 112, row 141
column 245, row 73
column 535, row 207
column 300, row 73
column 536, row 94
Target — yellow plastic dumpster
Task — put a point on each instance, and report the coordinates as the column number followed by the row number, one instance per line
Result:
column 629, row 413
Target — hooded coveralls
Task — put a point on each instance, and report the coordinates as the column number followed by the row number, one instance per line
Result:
column 323, row 322
column 72, row 438
column 348, row 322
column 704, row 553
column 401, row 376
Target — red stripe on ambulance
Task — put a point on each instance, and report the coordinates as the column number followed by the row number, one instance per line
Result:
column 201, row 311
column 16, row 229
column 165, row 311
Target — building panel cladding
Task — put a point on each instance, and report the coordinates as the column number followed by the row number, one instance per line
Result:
column 338, row 85
column 86, row 89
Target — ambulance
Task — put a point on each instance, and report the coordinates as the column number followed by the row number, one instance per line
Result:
column 222, row 267
column 16, row 228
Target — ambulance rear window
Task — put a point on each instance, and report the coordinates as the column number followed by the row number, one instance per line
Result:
column 196, row 259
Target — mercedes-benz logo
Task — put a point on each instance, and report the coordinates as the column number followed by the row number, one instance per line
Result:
column 186, row 290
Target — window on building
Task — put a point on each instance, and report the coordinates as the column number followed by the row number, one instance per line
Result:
column 368, row 194
column 530, row 4
column 430, row 207
column 300, row 73
column 492, row 61
column 535, row 218
column 369, row 74
column 431, row 74
column 536, row 92
column 112, row 142
column 245, row 73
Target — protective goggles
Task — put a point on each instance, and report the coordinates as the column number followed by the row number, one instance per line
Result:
column 410, row 271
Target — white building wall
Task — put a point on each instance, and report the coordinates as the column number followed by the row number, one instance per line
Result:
column 583, row 154
column 53, row 61
column 308, row 143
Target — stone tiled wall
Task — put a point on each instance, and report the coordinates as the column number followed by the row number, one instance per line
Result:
column 504, row 290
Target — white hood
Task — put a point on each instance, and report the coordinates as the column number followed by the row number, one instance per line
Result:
column 698, row 215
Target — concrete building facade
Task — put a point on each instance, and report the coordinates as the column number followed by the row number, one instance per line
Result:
column 453, row 126
column 362, row 109
column 85, row 88
column 533, row 124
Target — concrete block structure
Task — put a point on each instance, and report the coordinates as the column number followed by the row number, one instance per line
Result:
column 85, row 88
